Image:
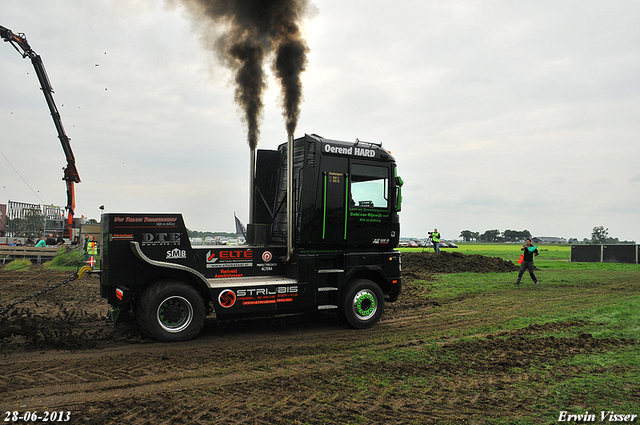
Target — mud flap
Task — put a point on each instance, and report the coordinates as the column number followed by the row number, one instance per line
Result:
column 118, row 314
column 114, row 315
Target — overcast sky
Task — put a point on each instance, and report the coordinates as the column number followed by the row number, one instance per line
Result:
column 501, row 114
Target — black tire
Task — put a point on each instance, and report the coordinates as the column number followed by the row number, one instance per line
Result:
column 171, row 311
column 362, row 304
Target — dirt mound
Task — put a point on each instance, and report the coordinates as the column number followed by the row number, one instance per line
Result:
column 69, row 317
column 58, row 327
column 416, row 264
column 500, row 353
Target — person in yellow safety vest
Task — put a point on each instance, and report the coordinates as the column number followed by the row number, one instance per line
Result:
column 435, row 238
column 92, row 247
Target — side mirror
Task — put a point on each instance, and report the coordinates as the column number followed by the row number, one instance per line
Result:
column 399, row 184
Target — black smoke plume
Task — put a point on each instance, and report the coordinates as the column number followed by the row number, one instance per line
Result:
column 245, row 32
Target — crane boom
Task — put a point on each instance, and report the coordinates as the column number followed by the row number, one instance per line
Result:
column 19, row 42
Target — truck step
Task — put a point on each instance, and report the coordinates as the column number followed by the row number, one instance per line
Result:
column 327, row 307
column 327, row 289
column 331, row 271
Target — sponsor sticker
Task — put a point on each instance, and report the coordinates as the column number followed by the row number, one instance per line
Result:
column 160, row 239
column 121, row 237
column 258, row 296
column 157, row 221
column 176, row 253
column 267, row 256
column 351, row 150
column 227, row 298
column 229, row 258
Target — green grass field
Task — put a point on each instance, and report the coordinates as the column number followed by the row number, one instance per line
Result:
column 551, row 255
column 600, row 301
column 507, row 251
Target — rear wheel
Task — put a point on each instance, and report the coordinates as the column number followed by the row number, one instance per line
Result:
column 171, row 311
column 362, row 304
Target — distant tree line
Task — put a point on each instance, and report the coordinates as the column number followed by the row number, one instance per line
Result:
column 495, row 235
column 600, row 235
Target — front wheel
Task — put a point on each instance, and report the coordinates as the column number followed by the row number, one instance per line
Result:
column 362, row 304
column 171, row 311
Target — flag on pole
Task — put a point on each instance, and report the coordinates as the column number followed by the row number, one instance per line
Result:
column 240, row 229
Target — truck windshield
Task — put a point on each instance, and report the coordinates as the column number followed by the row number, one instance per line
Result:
column 369, row 186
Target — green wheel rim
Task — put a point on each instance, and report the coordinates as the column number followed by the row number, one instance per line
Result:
column 175, row 314
column 365, row 304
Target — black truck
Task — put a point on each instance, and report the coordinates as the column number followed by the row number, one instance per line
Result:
column 323, row 228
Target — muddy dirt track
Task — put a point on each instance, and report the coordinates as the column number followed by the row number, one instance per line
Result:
column 60, row 354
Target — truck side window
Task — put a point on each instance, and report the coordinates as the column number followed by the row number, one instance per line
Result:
column 369, row 186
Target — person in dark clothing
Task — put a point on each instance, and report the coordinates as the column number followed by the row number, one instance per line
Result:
column 50, row 240
column 84, row 248
column 527, row 262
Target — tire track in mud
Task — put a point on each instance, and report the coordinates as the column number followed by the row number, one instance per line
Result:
column 70, row 395
column 239, row 356
column 61, row 380
column 72, row 381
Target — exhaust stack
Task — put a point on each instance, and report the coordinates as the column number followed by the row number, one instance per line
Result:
column 289, row 196
column 252, row 176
